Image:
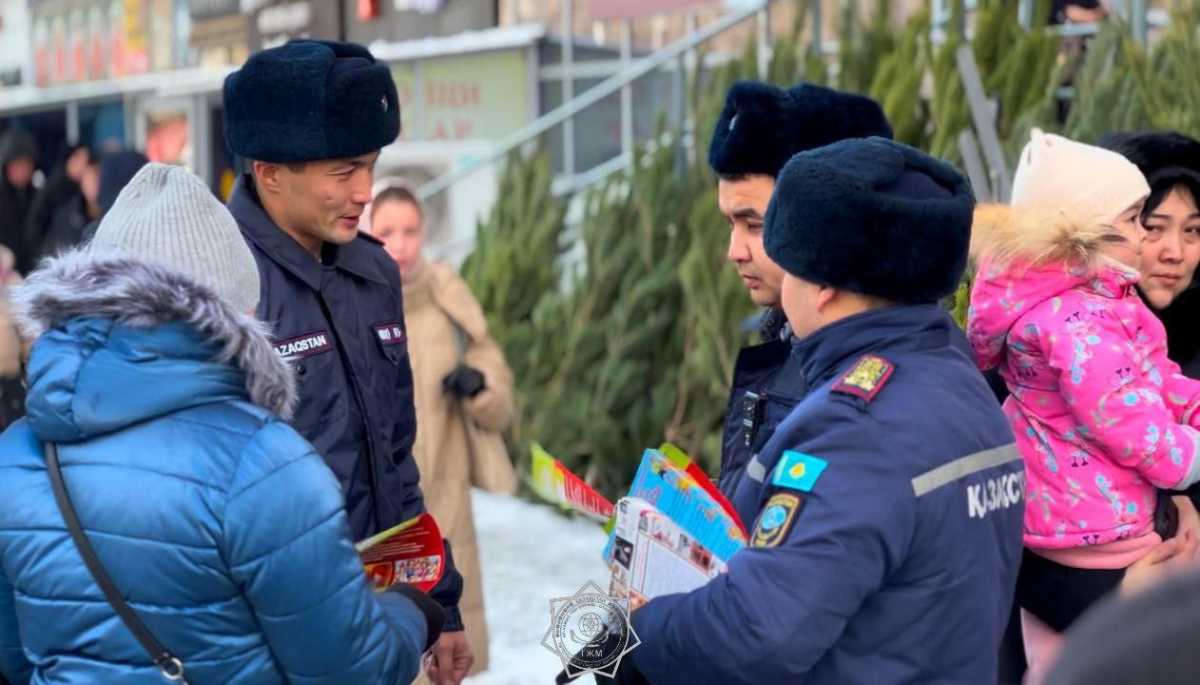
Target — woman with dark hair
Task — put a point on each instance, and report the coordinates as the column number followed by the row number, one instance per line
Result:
column 1171, row 251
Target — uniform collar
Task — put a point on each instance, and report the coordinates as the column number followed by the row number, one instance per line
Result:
column 354, row 257
column 898, row 327
column 773, row 325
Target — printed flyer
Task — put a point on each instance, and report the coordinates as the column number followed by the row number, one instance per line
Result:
column 411, row 552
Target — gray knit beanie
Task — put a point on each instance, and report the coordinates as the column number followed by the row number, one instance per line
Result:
column 167, row 215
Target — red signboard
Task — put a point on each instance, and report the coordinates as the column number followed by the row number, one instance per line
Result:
column 631, row 9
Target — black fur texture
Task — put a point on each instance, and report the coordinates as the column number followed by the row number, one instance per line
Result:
column 310, row 100
column 874, row 217
column 762, row 126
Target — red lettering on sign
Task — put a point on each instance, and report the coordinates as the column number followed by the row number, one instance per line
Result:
column 452, row 95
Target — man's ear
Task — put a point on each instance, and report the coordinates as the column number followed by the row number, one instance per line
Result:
column 826, row 295
column 266, row 176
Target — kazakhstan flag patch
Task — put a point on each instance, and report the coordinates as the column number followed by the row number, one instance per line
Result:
column 798, row 471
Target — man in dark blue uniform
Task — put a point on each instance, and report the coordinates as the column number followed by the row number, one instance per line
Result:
column 309, row 119
column 760, row 128
column 887, row 505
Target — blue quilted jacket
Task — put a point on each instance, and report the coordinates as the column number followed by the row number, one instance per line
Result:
column 218, row 523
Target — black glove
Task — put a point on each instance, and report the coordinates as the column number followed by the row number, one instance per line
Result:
column 435, row 615
column 627, row 674
column 1166, row 515
column 464, row 381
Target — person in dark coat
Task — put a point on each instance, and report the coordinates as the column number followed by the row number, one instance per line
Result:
column 1171, row 251
column 1149, row 637
column 760, row 128
column 18, row 161
column 69, row 220
column 61, row 188
column 116, row 170
column 308, row 120
column 877, row 554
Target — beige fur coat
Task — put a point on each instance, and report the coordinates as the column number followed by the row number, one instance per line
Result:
column 458, row 442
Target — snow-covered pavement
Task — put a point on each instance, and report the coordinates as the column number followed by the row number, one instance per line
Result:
column 530, row 554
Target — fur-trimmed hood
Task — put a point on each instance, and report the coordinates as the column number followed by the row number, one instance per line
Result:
column 1024, row 258
column 1001, row 234
column 140, row 323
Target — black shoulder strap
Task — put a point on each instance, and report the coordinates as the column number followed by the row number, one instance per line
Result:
column 170, row 666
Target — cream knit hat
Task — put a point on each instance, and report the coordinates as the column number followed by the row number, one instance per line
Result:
column 1085, row 183
column 167, row 215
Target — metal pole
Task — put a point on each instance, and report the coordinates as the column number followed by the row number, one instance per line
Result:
column 983, row 117
column 72, row 122
column 419, row 129
column 973, row 165
column 627, row 89
column 815, row 9
column 533, row 104
column 688, row 65
column 568, row 85
column 591, row 96
column 762, row 24
column 937, row 30
column 1137, row 20
column 1025, row 13
column 135, row 123
column 690, row 24
column 201, row 132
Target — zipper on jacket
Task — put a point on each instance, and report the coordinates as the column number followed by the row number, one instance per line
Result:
column 373, row 474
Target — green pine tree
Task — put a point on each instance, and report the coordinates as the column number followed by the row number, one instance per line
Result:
column 637, row 343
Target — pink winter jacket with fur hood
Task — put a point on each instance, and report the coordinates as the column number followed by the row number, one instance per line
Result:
column 1101, row 416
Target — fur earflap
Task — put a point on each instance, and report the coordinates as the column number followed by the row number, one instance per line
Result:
column 142, row 294
column 1004, row 234
column 874, row 217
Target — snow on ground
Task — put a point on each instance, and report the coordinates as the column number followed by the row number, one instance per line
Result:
column 530, row 554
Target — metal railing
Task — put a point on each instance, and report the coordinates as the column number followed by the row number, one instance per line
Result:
column 681, row 55
column 989, row 171
column 1135, row 12
column 682, row 49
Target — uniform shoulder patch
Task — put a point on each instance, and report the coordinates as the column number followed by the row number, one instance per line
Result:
column 866, row 378
column 798, row 471
column 776, row 519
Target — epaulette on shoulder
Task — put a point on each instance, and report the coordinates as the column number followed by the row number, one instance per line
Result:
column 865, row 378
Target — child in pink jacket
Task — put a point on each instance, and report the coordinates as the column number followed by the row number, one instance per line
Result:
column 1103, row 419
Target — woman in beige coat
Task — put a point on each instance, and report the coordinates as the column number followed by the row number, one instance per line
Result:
column 462, row 388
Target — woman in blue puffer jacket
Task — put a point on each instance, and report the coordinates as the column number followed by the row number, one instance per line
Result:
column 217, row 522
